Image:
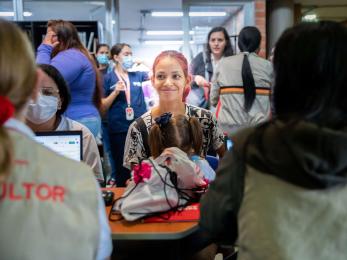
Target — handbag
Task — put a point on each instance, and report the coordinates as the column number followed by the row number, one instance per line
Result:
column 168, row 182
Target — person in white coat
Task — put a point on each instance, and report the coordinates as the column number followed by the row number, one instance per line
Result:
column 47, row 202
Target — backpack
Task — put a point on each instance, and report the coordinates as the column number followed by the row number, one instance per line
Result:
column 169, row 182
column 141, row 126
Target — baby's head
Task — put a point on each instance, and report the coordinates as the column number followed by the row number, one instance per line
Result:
column 178, row 131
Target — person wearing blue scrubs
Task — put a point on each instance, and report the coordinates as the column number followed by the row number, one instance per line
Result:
column 124, row 101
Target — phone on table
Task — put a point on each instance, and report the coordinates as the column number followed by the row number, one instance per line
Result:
column 228, row 143
column 108, row 196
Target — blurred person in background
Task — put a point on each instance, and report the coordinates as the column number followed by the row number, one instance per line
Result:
column 105, row 65
column 124, row 102
column 242, row 85
column 63, row 49
column 102, row 55
column 202, row 66
column 47, row 114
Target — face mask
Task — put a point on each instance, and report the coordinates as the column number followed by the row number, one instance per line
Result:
column 43, row 110
column 102, row 59
column 127, row 62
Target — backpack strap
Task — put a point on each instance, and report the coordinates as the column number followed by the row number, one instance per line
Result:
column 141, row 126
column 204, row 57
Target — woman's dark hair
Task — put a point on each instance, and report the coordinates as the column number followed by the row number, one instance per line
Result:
column 179, row 132
column 248, row 41
column 58, row 79
column 310, row 62
column 228, row 50
column 117, row 48
column 100, row 45
column 68, row 38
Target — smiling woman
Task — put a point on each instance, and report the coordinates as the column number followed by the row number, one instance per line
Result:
column 63, row 49
column 171, row 80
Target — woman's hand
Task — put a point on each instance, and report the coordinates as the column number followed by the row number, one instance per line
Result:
column 138, row 61
column 51, row 38
column 119, row 86
column 201, row 81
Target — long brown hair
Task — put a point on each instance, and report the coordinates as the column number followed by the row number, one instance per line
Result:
column 68, row 38
column 180, row 132
column 17, row 81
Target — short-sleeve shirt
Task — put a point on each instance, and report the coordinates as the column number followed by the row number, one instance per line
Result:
column 213, row 137
column 116, row 113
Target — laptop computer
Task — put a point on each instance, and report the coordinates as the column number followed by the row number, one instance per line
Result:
column 66, row 143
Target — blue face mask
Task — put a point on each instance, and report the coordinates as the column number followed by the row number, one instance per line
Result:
column 127, row 62
column 102, row 59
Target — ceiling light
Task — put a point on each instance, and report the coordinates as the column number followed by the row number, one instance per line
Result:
column 161, row 33
column 310, row 17
column 199, row 14
column 9, row 14
column 165, row 42
column 95, row 3
column 113, row 22
column 167, row 14
column 180, row 14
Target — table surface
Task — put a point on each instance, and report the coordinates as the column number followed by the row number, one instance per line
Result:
column 137, row 230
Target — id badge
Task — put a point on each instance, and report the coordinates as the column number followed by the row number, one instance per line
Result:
column 129, row 113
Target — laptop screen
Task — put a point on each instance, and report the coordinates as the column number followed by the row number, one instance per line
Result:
column 67, row 143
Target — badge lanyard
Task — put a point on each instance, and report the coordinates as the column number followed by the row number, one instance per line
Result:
column 129, row 111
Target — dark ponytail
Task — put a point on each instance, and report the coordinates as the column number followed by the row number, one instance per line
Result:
column 196, row 135
column 162, row 136
column 155, row 141
column 179, row 132
column 249, row 41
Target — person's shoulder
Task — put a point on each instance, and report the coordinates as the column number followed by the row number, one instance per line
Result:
column 268, row 64
column 137, row 72
column 146, row 115
column 76, row 126
column 50, row 160
column 230, row 61
column 45, row 162
column 76, row 57
column 200, row 55
column 198, row 111
column 72, row 52
column 241, row 137
column 260, row 59
column 146, row 118
column 263, row 63
column 198, row 58
column 232, row 58
column 109, row 75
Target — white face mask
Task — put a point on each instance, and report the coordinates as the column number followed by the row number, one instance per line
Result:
column 43, row 110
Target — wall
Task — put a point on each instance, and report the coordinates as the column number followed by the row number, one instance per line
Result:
column 260, row 22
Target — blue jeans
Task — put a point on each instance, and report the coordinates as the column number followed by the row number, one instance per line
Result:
column 117, row 141
column 93, row 124
column 107, row 147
